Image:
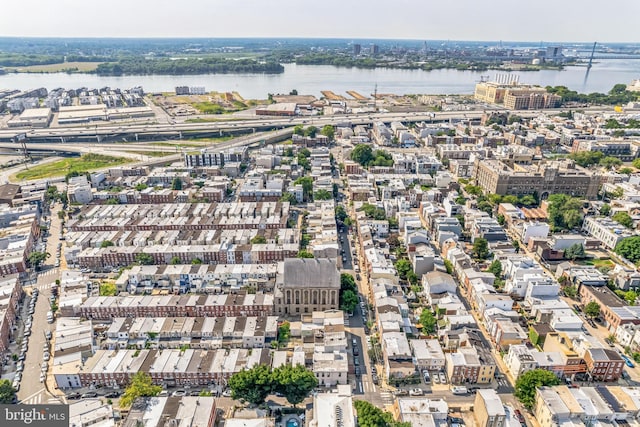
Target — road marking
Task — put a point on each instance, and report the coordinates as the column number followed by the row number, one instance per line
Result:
column 37, row 392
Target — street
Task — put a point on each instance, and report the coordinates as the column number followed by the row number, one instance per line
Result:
column 32, row 391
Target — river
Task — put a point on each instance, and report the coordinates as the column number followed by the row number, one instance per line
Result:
column 311, row 79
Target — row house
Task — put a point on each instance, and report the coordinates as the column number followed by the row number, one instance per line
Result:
column 103, row 307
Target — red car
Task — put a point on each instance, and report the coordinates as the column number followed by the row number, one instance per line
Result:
column 519, row 416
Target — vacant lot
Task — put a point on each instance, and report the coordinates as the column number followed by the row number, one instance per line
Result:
column 56, row 68
column 86, row 163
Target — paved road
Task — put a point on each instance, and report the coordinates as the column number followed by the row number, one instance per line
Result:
column 31, row 389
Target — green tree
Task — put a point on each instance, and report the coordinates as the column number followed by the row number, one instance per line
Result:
column 527, row 200
column 348, row 283
column 428, row 321
column 527, row 383
column 141, row 186
column 572, row 218
column 289, row 197
column 7, row 392
column 586, row 158
column 298, row 130
column 175, row 260
column 575, row 252
column 630, row 297
column 571, row 291
column 311, row 131
column 258, row 240
column 284, row 333
column 144, row 259
column 322, row 195
column 636, row 163
column 449, row 266
column 495, row 268
column 328, row 131
column 341, row 213
column 252, row 385
column 605, row 209
column 629, row 248
column 196, row 261
column 305, row 254
column 609, row 162
column 348, row 301
column 36, row 258
column 474, row 190
column 592, row 309
column 108, row 289
column 404, row 267
column 141, row 386
column 106, row 243
column 307, row 187
column 623, row 218
column 362, row 154
column 500, row 218
column 294, row 382
column 176, row 184
column 372, row 416
column 481, row 248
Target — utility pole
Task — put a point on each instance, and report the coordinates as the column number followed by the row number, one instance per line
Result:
column 375, row 99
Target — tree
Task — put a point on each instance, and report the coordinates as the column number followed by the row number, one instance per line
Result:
column 284, row 333
column 289, row 197
column 328, row 131
column 495, row 268
column 7, row 392
column 144, row 259
column 629, row 248
column 609, row 162
column 141, row 186
column 630, row 297
column 141, row 386
column 481, row 248
column 474, row 190
column 428, row 321
column 175, row 260
column 307, row 187
column 36, row 258
column 258, row 240
column 196, row 261
column 592, row 309
column 372, row 416
column 571, row 291
column 108, row 289
column 527, row 200
column 449, row 266
column 298, row 130
column 348, row 283
column 404, row 267
column 252, row 385
column 322, row 195
column 362, row 154
column 500, row 218
column 294, row 382
column 311, row 131
column 348, row 301
column 605, row 209
column 341, row 213
column 527, row 383
column 623, row 218
column 572, row 218
column 106, row 243
column 586, row 158
column 176, row 184
column 574, row 252
column 305, row 254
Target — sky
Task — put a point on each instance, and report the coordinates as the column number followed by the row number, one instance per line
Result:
column 509, row 20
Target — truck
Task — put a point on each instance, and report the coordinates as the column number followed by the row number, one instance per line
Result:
column 459, row 390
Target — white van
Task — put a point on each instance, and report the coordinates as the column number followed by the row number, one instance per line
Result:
column 459, row 390
column 49, row 316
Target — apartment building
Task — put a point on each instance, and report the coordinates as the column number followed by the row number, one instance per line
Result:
column 107, row 307
column 197, row 332
column 519, row 359
column 333, row 409
column 420, row 411
column 608, row 231
column 604, row 364
column 496, row 177
column 198, row 411
column 213, row 157
column 613, row 310
column 10, row 295
column 168, row 367
column 428, row 354
column 488, row 410
column 470, row 365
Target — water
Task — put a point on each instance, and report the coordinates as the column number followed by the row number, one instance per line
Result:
column 311, row 79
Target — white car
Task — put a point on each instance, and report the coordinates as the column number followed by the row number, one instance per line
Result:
column 45, row 357
column 42, row 377
column 416, row 392
column 443, row 378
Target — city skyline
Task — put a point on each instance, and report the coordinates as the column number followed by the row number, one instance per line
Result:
column 403, row 19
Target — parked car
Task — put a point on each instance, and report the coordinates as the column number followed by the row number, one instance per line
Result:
column 519, row 416
column 73, row 396
column 89, row 395
column 114, row 394
column 374, row 379
column 436, row 379
column 227, row 393
column 357, row 371
column 179, row 393
column 443, row 377
column 416, row 392
column 42, row 377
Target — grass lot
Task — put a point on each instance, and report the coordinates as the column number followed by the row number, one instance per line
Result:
column 177, row 144
column 216, row 139
column 597, row 263
column 81, row 67
column 151, row 153
column 86, row 163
